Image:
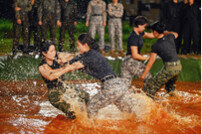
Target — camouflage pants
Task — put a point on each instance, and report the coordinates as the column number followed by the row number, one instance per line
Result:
column 49, row 22
column 131, row 67
column 64, row 99
column 115, row 28
column 114, row 91
column 168, row 76
column 17, row 31
column 96, row 25
column 69, row 26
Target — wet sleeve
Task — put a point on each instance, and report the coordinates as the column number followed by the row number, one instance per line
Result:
column 58, row 10
column 119, row 12
column 89, row 11
column 104, row 14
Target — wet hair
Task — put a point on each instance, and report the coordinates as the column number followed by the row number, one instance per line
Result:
column 86, row 38
column 139, row 20
column 158, row 27
column 45, row 46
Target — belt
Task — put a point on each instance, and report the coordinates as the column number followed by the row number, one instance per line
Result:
column 174, row 63
column 96, row 14
column 108, row 77
column 113, row 17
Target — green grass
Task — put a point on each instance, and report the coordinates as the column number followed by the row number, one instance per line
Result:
column 27, row 68
column 6, row 33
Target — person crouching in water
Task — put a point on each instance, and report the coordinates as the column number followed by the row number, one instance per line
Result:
column 114, row 90
column 165, row 48
column 61, row 95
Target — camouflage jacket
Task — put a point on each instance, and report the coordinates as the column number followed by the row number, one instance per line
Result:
column 115, row 11
column 24, row 5
column 96, row 7
column 69, row 10
column 49, row 7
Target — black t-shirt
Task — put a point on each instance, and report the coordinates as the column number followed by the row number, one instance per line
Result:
column 95, row 65
column 54, row 83
column 165, row 48
column 134, row 40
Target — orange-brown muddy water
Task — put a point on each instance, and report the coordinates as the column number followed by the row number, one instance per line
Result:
column 24, row 108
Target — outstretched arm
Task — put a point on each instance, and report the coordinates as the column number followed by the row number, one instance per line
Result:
column 149, row 65
column 171, row 32
column 136, row 55
column 148, row 35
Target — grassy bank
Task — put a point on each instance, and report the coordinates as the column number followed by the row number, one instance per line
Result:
column 26, row 68
column 6, row 34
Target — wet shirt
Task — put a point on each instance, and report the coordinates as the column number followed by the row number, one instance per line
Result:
column 97, row 8
column 115, row 11
column 134, row 40
column 165, row 48
column 54, row 83
column 68, row 10
column 95, row 65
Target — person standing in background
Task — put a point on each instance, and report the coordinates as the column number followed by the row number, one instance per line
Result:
column 22, row 9
column 173, row 19
column 69, row 16
column 191, row 29
column 49, row 15
column 96, row 20
column 34, row 27
column 115, row 11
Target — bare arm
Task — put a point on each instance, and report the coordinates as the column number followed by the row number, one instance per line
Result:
column 136, row 55
column 149, row 65
column 50, row 73
column 148, row 35
column 170, row 32
column 75, row 66
column 64, row 57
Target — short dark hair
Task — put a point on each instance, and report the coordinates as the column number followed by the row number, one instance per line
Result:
column 158, row 27
column 86, row 38
column 45, row 45
column 139, row 20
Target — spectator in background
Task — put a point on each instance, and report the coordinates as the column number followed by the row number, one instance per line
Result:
column 96, row 20
column 173, row 20
column 191, row 29
column 22, row 9
column 34, row 27
column 69, row 15
column 115, row 11
column 49, row 15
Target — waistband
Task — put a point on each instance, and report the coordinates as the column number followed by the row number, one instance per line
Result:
column 174, row 63
column 113, row 17
column 108, row 77
column 96, row 15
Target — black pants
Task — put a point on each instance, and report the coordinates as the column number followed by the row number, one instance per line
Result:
column 191, row 34
column 69, row 26
column 17, row 28
column 49, row 21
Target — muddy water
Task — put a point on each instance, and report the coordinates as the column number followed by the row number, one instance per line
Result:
column 25, row 108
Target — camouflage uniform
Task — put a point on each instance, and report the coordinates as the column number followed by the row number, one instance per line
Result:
column 34, row 25
column 68, row 98
column 96, row 13
column 168, row 76
column 69, row 16
column 25, row 7
column 49, row 13
column 131, row 67
column 115, row 24
column 113, row 91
